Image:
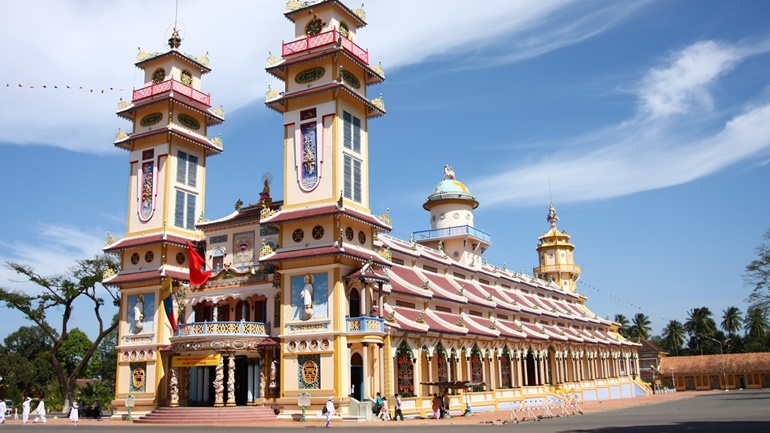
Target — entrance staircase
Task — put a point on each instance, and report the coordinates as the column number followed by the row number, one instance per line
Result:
column 209, row 415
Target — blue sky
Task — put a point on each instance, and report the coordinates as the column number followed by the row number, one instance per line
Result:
column 646, row 123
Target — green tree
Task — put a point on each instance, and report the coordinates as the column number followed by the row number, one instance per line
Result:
column 756, row 323
column 640, row 327
column 24, row 364
column 55, row 301
column 732, row 321
column 700, row 325
column 103, row 366
column 623, row 322
column 674, row 335
column 73, row 350
column 757, row 275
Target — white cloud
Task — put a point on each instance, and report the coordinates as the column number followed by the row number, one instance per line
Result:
column 92, row 45
column 650, row 150
column 684, row 84
column 52, row 252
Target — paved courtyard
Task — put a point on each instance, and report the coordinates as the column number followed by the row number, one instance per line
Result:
column 702, row 412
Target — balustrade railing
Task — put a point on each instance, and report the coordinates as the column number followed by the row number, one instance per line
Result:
column 365, row 324
column 323, row 39
column 223, row 328
column 451, row 231
column 169, row 85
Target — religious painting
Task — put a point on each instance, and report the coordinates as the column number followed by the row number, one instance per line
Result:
column 309, row 296
column 146, row 190
column 141, row 310
column 308, row 162
column 309, row 374
column 243, row 247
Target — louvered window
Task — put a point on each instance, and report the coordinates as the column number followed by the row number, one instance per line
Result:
column 184, row 210
column 351, row 132
column 352, row 179
column 187, row 168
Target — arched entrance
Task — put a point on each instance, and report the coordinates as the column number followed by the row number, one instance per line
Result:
column 357, row 377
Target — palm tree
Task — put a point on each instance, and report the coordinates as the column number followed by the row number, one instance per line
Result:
column 641, row 326
column 673, row 335
column 756, row 322
column 700, row 325
column 623, row 322
column 732, row 320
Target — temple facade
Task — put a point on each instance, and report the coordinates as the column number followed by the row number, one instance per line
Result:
column 308, row 297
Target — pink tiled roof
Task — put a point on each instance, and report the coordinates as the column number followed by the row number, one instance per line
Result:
column 330, row 250
column 139, row 241
column 138, row 277
column 322, row 211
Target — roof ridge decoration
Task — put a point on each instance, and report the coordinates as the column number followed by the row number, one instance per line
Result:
column 109, row 240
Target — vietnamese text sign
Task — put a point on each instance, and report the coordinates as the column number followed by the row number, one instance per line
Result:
column 195, row 360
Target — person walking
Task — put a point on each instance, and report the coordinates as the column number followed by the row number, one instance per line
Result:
column 398, row 413
column 384, row 412
column 25, row 410
column 40, row 411
column 329, row 412
column 3, row 408
column 436, row 406
column 74, row 413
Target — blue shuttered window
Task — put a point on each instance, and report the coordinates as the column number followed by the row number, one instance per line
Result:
column 187, row 169
column 184, row 210
column 352, row 179
column 351, row 132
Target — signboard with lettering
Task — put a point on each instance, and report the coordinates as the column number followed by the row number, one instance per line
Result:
column 195, row 360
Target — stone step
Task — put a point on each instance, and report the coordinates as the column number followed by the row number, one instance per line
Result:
column 208, row 415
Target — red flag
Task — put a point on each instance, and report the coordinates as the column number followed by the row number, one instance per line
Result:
column 197, row 276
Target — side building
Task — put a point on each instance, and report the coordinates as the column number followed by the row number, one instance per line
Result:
column 310, row 297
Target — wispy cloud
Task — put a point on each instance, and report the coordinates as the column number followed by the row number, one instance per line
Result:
column 91, row 45
column 666, row 143
column 53, row 251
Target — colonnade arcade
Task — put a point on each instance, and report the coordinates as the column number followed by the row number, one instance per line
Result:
column 500, row 365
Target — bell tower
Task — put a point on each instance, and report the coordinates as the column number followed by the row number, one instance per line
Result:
column 556, row 257
column 167, row 146
column 325, row 105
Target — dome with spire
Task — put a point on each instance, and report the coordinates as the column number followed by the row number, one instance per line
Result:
column 450, row 189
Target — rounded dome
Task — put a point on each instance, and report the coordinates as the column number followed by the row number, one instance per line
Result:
column 451, row 189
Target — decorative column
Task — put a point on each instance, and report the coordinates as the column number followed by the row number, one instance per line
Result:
column 219, row 383
column 231, row 380
column 431, row 378
column 174, row 385
column 522, row 363
column 381, row 360
column 367, row 372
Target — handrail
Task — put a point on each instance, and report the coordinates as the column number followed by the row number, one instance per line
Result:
column 171, row 85
column 323, row 39
column 222, row 328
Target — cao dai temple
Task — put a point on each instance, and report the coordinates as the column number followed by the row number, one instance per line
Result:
column 309, row 296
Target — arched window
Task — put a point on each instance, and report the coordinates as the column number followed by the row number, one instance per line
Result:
column 405, row 369
column 505, row 369
column 355, row 303
column 442, row 359
column 477, row 368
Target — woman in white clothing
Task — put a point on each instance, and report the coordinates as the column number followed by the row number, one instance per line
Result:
column 41, row 411
column 329, row 412
column 74, row 413
column 25, row 410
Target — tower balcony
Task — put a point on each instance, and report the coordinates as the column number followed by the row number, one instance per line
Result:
column 324, row 39
column 365, row 324
column 564, row 267
column 449, row 232
column 169, row 86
